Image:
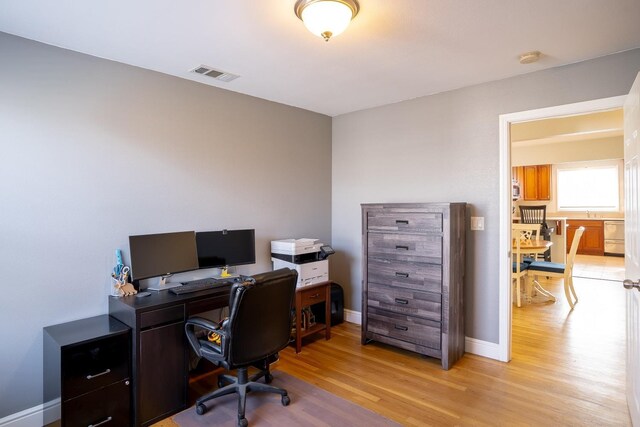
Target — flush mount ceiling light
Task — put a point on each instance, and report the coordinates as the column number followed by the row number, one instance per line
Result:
column 326, row 18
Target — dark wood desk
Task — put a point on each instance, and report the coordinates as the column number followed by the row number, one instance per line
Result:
column 159, row 348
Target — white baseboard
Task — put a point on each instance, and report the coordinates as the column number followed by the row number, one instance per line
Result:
column 353, row 316
column 482, row 348
column 37, row 416
column 471, row 345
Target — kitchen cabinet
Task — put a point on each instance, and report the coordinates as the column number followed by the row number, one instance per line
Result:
column 592, row 241
column 535, row 181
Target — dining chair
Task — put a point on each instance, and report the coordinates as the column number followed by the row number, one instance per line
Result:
column 526, row 232
column 563, row 271
column 536, row 214
column 521, row 233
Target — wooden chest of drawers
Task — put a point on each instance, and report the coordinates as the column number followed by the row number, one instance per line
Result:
column 413, row 277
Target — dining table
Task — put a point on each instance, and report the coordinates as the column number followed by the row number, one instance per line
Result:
column 535, row 247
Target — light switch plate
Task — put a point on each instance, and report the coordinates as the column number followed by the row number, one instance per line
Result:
column 477, row 223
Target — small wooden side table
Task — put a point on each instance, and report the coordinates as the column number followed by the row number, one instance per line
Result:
column 309, row 295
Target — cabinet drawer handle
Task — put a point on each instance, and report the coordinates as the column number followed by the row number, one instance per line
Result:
column 402, row 221
column 404, row 248
column 90, row 377
column 106, row 420
column 401, row 328
column 405, row 275
column 402, row 301
column 314, row 296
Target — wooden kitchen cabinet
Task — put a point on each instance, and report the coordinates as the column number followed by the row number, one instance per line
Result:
column 535, row 181
column 592, row 241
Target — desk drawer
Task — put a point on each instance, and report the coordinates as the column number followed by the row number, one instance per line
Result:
column 95, row 364
column 414, row 330
column 406, row 247
column 108, row 405
column 399, row 221
column 418, row 276
column 426, row 305
column 163, row 316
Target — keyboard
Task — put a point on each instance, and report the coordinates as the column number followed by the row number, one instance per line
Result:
column 199, row 285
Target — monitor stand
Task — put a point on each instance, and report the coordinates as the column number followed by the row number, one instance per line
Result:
column 162, row 284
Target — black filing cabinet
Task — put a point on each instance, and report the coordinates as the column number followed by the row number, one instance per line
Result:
column 87, row 365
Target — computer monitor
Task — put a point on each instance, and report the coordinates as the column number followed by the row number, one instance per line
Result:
column 157, row 255
column 226, row 248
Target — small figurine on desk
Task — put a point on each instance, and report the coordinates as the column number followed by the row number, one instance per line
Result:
column 119, row 281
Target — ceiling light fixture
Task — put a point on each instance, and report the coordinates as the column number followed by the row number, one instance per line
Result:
column 326, row 18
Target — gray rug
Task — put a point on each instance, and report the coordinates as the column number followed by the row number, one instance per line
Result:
column 309, row 405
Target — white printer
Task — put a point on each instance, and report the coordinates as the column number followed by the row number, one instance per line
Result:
column 307, row 256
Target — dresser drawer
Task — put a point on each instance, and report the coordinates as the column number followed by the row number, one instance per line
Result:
column 108, row 405
column 404, row 301
column 414, row 330
column 405, row 247
column 94, row 364
column 418, row 276
column 399, row 221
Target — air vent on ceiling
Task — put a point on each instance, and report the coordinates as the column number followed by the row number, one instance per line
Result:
column 216, row 74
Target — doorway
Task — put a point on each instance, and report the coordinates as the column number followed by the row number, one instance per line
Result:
column 505, row 122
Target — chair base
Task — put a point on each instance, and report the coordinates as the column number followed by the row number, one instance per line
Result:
column 242, row 385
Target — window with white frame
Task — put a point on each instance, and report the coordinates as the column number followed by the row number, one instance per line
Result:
column 593, row 188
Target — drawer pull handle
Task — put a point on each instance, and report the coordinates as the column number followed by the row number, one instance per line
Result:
column 401, row 328
column 90, row 377
column 405, row 275
column 106, row 420
column 314, row 296
column 404, row 248
column 402, row 301
column 402, row 221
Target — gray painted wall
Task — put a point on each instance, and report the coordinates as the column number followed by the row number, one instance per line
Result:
column 443, row 148
column 94, row 151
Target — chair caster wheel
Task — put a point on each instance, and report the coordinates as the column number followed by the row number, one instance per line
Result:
column 201, row 409
column 242, row 422
column 268, row 378
column 285, row 400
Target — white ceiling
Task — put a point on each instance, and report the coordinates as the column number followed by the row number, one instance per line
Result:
column 394, row 50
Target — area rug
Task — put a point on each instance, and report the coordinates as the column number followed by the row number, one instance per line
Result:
column 309, row 405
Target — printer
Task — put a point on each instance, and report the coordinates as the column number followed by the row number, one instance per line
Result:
column 307, row 256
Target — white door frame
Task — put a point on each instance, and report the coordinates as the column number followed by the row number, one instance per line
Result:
column 504, row 295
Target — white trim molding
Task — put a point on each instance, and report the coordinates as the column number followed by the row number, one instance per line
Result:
column 37, row 416
column 353, row 316
column 505, row 121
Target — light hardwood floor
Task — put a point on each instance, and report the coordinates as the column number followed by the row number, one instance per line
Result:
column 567, row 369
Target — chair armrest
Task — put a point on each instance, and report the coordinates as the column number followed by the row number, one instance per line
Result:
column 200, row 322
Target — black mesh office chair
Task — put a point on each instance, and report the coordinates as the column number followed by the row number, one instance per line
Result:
column 537, row 214
column 258, row 327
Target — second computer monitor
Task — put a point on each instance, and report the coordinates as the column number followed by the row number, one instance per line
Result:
column 226, row 248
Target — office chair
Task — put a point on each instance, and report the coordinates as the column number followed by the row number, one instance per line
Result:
column 537, row 215
column 258, row 327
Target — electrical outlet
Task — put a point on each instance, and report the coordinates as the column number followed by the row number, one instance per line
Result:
column 477, row 223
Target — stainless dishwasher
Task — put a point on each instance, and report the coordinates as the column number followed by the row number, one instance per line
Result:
column 614, row 238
